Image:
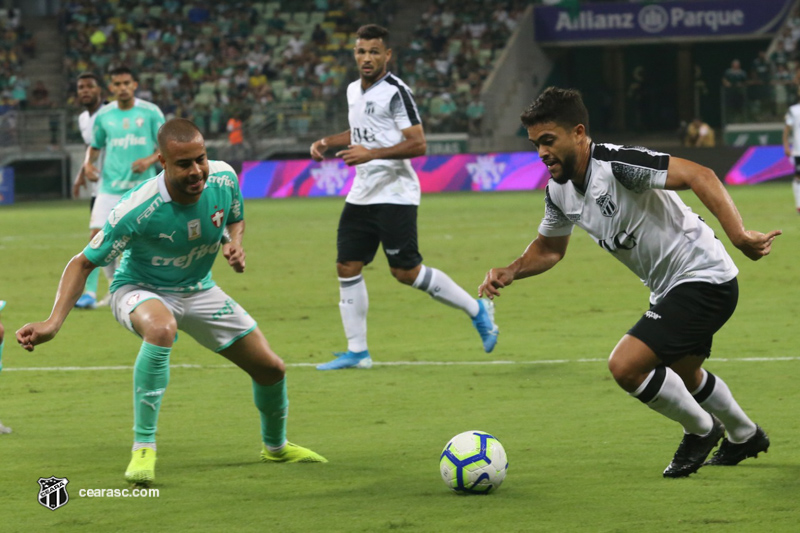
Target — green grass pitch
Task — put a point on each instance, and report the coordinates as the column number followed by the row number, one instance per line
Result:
column 583, row 455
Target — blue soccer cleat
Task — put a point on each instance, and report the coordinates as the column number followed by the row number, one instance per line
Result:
column 348, row 359
column 484, row 323
column 2, row 304
column 87, row 301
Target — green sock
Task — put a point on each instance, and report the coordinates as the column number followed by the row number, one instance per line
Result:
column 91, row 282
column 150, row 378
column 1, row 354
column 273, row 404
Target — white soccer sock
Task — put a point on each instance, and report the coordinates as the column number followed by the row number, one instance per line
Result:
column 140, row 445
column 353, row 305
column 109, row 270
column 663, row 391
column 796, row 190
column 714, row 396
column 445, row 290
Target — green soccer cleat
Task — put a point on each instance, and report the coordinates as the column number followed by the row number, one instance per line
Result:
column 142, row 468
column 291, row 453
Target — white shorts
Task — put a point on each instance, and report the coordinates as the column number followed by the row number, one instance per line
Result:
column 103, row 204
column 210, row 317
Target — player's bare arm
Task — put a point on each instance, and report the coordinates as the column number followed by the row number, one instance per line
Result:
column 540, row 256
column 319, row 147
column 787, row 131
column 79, row 182
column 685, row 174
column 90, row 171
column 233, row 250
column 140, row 165
column 69, row 290
column 413, row 145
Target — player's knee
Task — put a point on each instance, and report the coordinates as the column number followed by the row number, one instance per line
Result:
column 161, row 333
column 406, row 277
column 348, row 270
column 627, row 376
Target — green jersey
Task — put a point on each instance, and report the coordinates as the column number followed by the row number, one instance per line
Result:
column 126, row 136
column 165, row 245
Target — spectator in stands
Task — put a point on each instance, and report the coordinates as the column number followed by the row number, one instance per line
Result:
column 699, row 134
column 761, row 80
column 475, row 111
column 734, row 81
column 40, row 96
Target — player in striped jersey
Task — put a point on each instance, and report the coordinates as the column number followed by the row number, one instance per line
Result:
column 381, row 207
column 168, row 230
column 791, row 147
column 624, row 198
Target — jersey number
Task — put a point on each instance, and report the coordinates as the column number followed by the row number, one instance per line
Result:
column 362, row 135
column 621, row 241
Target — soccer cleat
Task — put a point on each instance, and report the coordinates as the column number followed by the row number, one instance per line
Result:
column 291, row 453
column 104, row 301
column 348, row 359
column 4, row 429
column 87, row 301
column 142, row 468
column 484, row 323
column 693, row 450
column 730, row 454
column 2, row 304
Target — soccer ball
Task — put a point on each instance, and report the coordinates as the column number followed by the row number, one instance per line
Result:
column 473, row 462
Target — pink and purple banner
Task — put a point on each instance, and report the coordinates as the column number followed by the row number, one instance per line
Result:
column 760, row 163
column 514, row 171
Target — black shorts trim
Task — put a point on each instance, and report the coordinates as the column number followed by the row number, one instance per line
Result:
column 362, row 228
column 685, row 320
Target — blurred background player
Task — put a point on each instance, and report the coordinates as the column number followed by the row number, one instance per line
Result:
column 381, row 208
column 624, row 198
column 791, row 147
column 170, row 229
column 90, row 96
column 126, row 128
column 3, row 429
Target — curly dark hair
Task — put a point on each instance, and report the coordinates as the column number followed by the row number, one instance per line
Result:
column 563, row 106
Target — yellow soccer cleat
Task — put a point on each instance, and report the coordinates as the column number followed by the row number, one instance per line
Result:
column 142, row 468
column 291, row 453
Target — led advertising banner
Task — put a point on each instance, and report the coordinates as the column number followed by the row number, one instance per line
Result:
column 513, row 171
column 647, row 20
column 760, row 163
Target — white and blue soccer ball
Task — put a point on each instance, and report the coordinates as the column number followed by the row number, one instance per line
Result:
column 473, row 462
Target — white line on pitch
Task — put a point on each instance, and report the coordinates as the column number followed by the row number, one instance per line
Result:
column 387, row 363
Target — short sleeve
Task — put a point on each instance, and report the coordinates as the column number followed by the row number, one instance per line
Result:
column 555, row 223
column 98, row 134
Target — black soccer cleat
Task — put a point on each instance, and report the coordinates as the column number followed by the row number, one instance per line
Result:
column 730, row 454
column 693, row 450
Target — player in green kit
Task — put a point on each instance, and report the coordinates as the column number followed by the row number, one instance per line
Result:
column 126, row 128
column 168, row 231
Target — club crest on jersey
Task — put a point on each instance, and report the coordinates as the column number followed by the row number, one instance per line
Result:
column 126, row 123
column 194, row 229
column 217, row 218
column 369, row 108
column 53, row 492
column 607, row 205
column 139, row 122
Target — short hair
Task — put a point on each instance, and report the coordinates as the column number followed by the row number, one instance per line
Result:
column 373, row 31
column 177, row 129
column 563, row 106
column 90, row 76
column 120, row 70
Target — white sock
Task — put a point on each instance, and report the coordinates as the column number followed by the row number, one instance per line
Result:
column 664, row 392
column 140, row 445
column 109, row 270
column 445, row 290
column 796, row 190
column 353, row 305
column 714, row 396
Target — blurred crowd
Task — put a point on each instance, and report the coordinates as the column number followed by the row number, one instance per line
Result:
column 16, row 92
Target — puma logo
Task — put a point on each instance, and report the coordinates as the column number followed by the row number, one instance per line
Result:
column 165, row 236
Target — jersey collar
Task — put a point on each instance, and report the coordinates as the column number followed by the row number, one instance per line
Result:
column 162, row 187
column 376, row 83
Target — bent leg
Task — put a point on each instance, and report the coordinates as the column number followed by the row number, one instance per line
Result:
column 638, row 370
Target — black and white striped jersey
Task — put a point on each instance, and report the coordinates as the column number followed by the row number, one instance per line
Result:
column 627, row 211
column 377, row 117
column 793, row 120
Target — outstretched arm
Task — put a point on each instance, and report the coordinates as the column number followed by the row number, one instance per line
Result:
column 684, row 174
column 69, row 290
column 540, row 256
